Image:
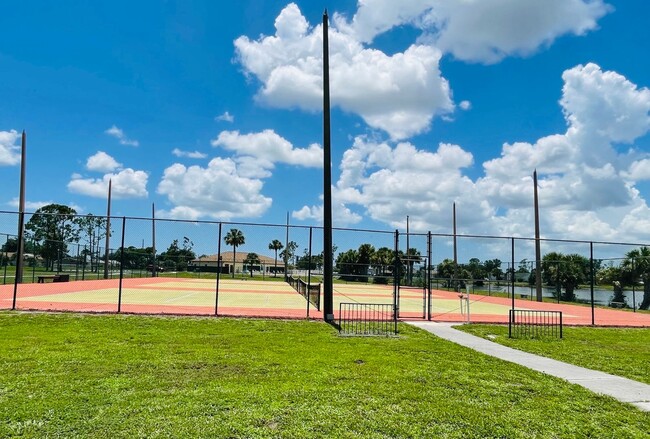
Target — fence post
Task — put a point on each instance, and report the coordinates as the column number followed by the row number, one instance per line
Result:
column 396, row 275
column 591, row 268
column 309, row 274
column 119, row 294
column 428, row 273
column 83, row 266
column 512, row 272
column 633, row 289
column 216, row 292
column 5, row 261
column 19, row 256
column 511, row 314
column 76, row 265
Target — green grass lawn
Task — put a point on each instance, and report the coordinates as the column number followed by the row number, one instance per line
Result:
column 67, row 375
column 620, row 351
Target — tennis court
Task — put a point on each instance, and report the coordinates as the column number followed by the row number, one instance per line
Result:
column 254, row 298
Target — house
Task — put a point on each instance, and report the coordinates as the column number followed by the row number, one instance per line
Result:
column 211, row 263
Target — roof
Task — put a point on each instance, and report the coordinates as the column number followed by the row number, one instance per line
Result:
column 240, row 257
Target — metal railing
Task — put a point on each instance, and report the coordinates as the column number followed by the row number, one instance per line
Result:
column 526, row 323
column 367, row 319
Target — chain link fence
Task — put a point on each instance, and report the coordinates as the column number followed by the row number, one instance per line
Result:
column 123, row 264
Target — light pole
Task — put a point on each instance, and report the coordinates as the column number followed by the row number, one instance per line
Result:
column 328, row 294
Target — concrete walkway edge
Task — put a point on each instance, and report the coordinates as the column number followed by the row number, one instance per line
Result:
column 623, row 389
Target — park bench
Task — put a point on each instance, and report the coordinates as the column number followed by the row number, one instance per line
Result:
column 617, row 304
column 54, row 277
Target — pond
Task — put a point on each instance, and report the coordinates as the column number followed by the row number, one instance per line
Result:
column 601, row 297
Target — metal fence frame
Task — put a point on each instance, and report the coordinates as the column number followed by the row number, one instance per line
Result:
column 434, row 251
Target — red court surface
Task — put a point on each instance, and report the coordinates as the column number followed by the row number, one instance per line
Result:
column 578, row 314
column 251, row 298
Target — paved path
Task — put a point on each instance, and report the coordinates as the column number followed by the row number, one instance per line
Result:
column 623, row 389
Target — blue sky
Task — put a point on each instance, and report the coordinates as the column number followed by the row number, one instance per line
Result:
column 211, row 110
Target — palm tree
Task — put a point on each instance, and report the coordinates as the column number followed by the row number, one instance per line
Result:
column 251, row 261
column 276, row 245
column 566, row 271
column 637, row 266
column 412, row 256
column 382, row 261
column 235, row 238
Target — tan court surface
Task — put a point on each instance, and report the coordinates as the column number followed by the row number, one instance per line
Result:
column 243, row 297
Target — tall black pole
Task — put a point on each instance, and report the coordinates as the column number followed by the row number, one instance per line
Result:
column 328, row 292
column 538, row 250
column 18, row 278
column 21, row 212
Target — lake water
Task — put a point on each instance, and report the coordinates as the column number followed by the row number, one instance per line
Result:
column 601, row 297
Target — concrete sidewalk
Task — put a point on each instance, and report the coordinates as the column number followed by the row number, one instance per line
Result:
column 623, row 389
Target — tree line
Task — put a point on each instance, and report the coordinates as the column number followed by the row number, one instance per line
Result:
column 562, row 272
column 52, row 228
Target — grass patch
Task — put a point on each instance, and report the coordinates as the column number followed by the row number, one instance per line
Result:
column 620, row 351
column 135, row 376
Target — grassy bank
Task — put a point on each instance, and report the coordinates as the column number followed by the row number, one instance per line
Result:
column 134, row 376
column 620, row 351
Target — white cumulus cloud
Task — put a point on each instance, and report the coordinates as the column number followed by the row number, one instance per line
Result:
column 584, row 183
column 216, row 191
column 102, row 162
column 269, row 147
column 225, row 117
column 586, row 187
column 638, row 170
column 118, row 133
column 189, row 154
column 342, row 216
column 127, row 183
column 399, row 94
column 9, row 149
column 465, row 105
column 392, row 182
column 478, row 30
